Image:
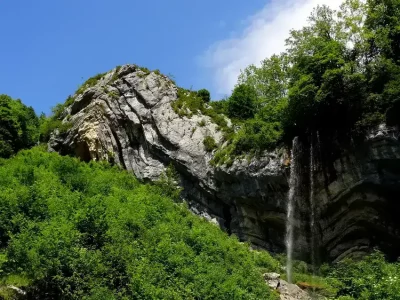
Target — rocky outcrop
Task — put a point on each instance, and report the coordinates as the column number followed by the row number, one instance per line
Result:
column 357, row 198
column 127, row 118
column 286, row 291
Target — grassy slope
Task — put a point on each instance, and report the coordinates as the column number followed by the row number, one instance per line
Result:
column 91, row 231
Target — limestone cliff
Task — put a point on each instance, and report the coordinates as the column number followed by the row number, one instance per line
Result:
column 127, row 118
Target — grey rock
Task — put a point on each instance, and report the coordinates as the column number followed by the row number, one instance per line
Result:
column 290, row 291
column 272, row 279
column 286, row 290
column 130, row 121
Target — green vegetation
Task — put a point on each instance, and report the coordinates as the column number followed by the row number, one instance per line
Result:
column 189, row 103
column 209, row 143
column 115, row 75
column 241, row 104
column 339, row 76
column 202, row 123
column 369, row 278
column 48, row 125
column 73, row 230
column 92, row 81
column 18, row 126
column 204, row 94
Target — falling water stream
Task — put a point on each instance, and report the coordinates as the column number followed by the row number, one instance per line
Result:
column 294, row 177
column 312, row 207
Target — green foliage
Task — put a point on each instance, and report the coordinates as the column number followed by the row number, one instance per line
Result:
column 145, row 71
column 92, row 81
column 71, row 230
column 113, row 94
column 115, row 75
column 220, row 107
column 370, row 278
column 48, row 125
column 242, row 103
column 169, row 183
column 270, row 80
column 339, row 76
column 202, row 123
column 18, row 126
column 256, row 135
column 209, row 144
column 204, row 94
column 189, row 103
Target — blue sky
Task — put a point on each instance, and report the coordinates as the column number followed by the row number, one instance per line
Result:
column 49, row 47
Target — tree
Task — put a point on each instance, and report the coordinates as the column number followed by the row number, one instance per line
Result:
column 270, row 79
column 204, row 94
column 18, row 126
column 242, row 103
column 383, row 24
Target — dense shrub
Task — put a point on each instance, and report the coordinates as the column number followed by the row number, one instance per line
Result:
column 338, row 76
column 18, row 126
column 256, row 136
column 72, row 230
column 92, row 81
column 189, row 103
column 371, row 278
column 209, row 143
column 204, row 94
column 242, row 103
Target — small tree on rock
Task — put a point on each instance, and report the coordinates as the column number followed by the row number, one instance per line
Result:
column 204, row 94
column 242, row 103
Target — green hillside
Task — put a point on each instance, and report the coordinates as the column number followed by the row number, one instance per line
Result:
column 70, row 230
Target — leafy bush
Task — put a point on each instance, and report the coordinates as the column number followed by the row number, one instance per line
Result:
column 241, row 104
column 202, row 123
column 189, row 103
column 370, row 278
column 92, row 81
column 209, row 143
column 49, row 125
column 220, row 107
column 18, row 126
column 204, row 94
column 115, row 75
column 169, row 183
column 256, row 136
column 71, row 230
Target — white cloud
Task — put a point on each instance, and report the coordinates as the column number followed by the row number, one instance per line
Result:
column 263, row 36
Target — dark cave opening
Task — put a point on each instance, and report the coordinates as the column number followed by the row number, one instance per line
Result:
column 227, row 217
column 82, row 151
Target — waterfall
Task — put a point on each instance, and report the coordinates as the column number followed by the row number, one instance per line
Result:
column 312, row 207
column 293, row 184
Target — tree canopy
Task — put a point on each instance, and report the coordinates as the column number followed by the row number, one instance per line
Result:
column 72, row 230
column 339, row 76
column 18, row 126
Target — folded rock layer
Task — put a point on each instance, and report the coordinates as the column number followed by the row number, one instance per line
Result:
column 127, row 118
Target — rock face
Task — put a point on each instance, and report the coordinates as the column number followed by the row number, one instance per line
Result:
column 127, row 118
column 358, row 198
column 286, row 290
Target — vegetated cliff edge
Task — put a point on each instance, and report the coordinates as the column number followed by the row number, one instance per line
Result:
column 126, row 117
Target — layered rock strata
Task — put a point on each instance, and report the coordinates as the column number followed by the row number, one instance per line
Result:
column 127, row 118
